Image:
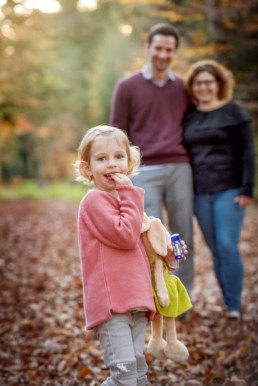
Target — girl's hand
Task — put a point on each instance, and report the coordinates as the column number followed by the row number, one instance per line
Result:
column 170, row 260
column 243, row 201
column 121, row 179
column 184, row 247
column 170, row 255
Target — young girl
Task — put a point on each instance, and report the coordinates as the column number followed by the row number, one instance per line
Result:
column 116, row 275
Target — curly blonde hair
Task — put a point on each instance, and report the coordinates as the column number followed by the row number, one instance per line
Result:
column 223, row 76
column 84, row 151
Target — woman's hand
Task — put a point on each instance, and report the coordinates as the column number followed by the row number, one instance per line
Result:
column 243, row 201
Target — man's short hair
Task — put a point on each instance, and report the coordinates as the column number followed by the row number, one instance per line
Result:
column 163, row 29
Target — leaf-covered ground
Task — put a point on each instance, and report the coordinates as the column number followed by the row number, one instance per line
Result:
column 42, row 336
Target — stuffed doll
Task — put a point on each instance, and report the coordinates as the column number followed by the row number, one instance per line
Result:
column 171, row 297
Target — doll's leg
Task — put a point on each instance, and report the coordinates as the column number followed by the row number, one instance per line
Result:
column 174, row 349
column 157, row 344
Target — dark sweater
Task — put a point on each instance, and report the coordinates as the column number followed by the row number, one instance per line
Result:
column 152, row 117
column 221, row 147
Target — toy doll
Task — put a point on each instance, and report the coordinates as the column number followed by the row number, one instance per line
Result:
column 171, row 297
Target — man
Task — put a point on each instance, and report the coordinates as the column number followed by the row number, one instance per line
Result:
column 150, row 106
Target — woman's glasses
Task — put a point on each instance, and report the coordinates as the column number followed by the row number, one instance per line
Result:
column 199, row 83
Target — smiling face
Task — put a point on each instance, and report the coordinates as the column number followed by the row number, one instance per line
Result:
column 107, row 157
column 161, row 51
column 205, row 88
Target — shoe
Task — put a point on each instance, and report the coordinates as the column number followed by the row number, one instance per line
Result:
column 233, row 315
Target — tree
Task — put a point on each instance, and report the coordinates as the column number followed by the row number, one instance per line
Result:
column 58, row 70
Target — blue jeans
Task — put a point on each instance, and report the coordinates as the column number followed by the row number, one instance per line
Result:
column 122, row 342
column 220, row 220
column 170, row 186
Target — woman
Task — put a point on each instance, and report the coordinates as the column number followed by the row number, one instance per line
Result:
column 218, row 134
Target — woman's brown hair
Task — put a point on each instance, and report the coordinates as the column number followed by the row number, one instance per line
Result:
column 223, row 76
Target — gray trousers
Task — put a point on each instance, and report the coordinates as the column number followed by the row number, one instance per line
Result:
column 122, row 342
column 170, row 187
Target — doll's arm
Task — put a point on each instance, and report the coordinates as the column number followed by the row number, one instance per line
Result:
column 160, row 285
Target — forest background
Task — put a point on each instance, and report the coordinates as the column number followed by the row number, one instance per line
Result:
column 59, row 62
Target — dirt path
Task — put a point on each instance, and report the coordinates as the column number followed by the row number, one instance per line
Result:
column 42, row 337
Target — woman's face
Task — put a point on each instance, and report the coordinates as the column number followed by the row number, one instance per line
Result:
column 205, row 88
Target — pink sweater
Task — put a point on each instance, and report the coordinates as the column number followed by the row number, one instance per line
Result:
column 115, row 268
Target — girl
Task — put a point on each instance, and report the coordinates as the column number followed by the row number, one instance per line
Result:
column 109, row 225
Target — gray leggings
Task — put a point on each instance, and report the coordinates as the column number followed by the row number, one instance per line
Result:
column 122, row 342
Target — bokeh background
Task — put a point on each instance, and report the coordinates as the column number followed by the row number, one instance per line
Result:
column 59, row 62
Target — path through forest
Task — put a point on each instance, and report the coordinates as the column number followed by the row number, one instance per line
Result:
column 42, row 337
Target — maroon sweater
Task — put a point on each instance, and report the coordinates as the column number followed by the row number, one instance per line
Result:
column 152, row 117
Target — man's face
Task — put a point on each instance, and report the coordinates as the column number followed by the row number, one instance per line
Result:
column 161, row 52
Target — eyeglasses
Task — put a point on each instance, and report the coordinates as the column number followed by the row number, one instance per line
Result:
column 198, row 83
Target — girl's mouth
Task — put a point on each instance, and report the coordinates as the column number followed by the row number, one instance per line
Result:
column 109, row 175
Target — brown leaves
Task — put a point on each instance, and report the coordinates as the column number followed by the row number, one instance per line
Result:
column 42, row 336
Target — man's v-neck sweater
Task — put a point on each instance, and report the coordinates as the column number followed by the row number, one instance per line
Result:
column 152, row 117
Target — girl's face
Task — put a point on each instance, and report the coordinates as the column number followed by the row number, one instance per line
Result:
column 205, row 88
column 107, row 158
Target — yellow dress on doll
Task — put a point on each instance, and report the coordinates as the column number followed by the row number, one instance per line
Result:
column 179, row 301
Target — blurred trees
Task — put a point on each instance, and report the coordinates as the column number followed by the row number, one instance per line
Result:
column 57, row 71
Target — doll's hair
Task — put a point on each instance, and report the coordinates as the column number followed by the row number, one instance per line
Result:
column 84, row 150
column 223, row 76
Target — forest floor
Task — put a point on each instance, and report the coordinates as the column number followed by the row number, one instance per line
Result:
column 42, row 336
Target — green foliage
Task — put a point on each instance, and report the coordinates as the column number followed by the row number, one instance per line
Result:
column 58, row 70
column 31, row 189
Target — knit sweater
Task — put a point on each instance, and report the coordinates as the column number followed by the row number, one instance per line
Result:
column 152, row 117
column 221, row 146
column 115, row 268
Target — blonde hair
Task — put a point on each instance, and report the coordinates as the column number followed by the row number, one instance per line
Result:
column 84, row 150
column 223, row 76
